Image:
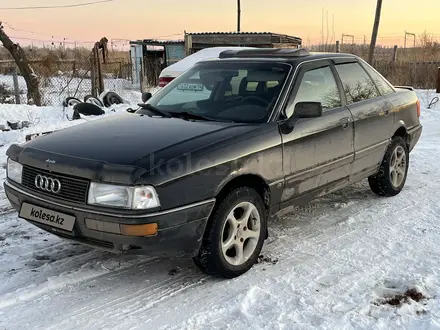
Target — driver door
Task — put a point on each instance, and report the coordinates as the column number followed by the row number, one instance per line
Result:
column 318, row 152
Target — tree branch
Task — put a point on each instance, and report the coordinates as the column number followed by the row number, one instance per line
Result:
column 20, row 58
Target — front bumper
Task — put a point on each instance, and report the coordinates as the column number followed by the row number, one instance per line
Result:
column 180, row 230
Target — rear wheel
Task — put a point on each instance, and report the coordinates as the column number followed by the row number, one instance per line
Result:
column 391, row 178
column 234, row 235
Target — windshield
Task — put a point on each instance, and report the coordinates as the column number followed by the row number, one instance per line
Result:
column 239, row 92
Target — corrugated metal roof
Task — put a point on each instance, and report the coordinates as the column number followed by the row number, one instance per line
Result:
column 210, row 33
column 242, row 33
column 155, row 42
column 282, row 37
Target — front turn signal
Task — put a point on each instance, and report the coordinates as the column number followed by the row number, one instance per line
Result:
column 149, row 229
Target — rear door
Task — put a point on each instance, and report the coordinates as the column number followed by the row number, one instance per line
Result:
column 318, row 152
column 372, row 114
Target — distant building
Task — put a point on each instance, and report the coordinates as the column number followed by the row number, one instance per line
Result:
column 197, row 41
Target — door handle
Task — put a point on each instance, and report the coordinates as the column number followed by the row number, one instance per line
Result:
column 344, row 122
column 386, row 112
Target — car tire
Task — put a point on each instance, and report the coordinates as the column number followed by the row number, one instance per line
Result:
column 88, row 109
column 93, row 100
column 233, row 241
column 391, row 178
column 71, row 101
column 111, row 98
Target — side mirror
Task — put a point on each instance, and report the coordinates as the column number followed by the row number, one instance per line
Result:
column 146, row 96
column 308, row 110
column 302, row 110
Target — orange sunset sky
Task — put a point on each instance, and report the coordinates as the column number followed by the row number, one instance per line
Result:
column 140, row 19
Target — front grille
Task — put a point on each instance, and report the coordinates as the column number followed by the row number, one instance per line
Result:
column 72, row 189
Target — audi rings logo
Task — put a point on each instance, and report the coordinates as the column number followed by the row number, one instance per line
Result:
column 47, row 183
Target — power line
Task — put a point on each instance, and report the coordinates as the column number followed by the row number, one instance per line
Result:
column 169, row 35
column 53, row 40
column 56, row 7
column 31, row 32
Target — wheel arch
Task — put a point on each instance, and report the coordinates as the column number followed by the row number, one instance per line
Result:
column 251, row 180
column 401, row 130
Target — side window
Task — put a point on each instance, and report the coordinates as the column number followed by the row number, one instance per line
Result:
column 381, row 83
column 317, row 85
column 358, row 86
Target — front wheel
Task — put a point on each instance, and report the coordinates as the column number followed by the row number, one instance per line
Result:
column 391, row 178
column 234, row 235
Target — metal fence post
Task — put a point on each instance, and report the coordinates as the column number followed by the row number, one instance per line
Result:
column 438, row 81
column 16, row 87
column 395, row 53
column 337, row 46
column 141, row 81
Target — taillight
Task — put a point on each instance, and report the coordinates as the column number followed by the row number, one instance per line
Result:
column 163, row 81
column 418, row 108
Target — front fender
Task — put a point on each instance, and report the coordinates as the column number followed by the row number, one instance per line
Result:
column 201, row 174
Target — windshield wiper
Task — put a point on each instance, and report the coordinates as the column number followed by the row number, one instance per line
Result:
column 190, row 115
column 154, row 109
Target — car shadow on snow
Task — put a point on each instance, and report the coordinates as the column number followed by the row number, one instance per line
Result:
column 356, row 195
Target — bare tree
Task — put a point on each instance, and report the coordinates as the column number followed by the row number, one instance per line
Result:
column 238, row 15
column 20, row 58
column 375, row 31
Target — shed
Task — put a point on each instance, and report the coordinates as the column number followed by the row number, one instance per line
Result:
column 149, row 57
column 198, row 41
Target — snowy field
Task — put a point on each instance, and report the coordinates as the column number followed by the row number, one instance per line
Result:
column 333, row 264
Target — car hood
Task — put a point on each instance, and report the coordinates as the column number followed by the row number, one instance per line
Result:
column 132, row 139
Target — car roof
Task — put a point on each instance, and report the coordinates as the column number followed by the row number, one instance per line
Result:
column 287, row 55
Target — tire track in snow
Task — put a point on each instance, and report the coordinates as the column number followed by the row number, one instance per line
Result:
column 88, row 271
column 341, row 224
column 138, row 301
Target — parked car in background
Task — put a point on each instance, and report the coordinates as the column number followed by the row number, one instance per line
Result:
column 179, row 177
column 191, row 91
column 174, row 70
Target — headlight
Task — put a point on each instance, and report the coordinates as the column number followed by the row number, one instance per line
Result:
column 14, row 170
column 136, row 198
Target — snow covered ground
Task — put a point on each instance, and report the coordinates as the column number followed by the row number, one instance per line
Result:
column 333, row 264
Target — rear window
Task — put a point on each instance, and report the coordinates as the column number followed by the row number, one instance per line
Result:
column 383, row 86
column 357, row 85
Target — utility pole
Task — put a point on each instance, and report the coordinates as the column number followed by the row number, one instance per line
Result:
column 322, row 27
column 238, row 15
column 375, row 31
column 410, row 34
column 348, row 36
